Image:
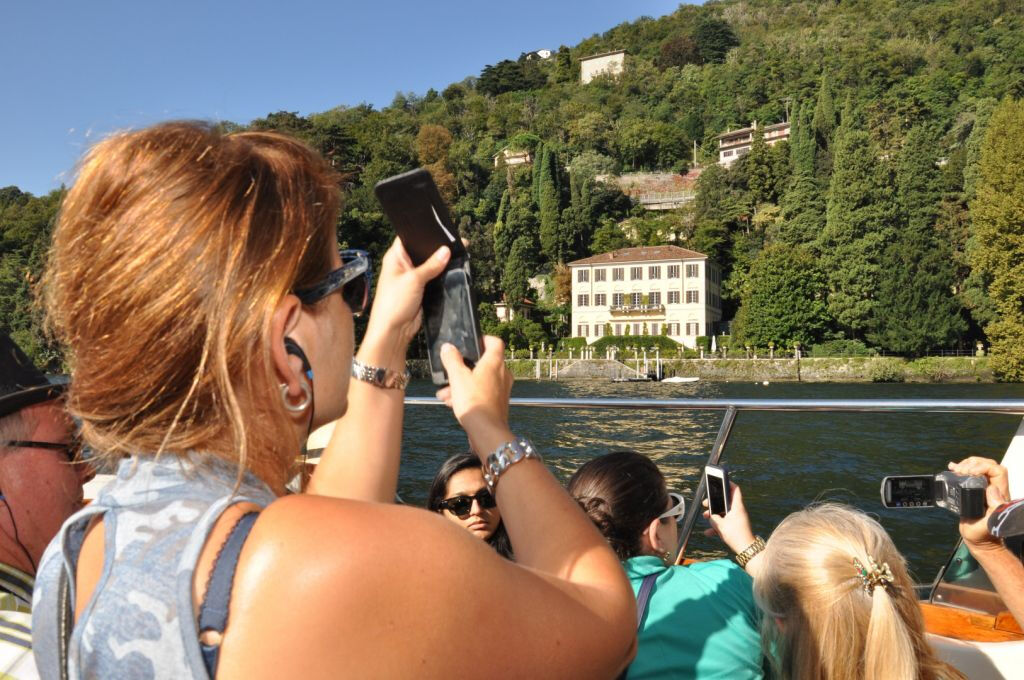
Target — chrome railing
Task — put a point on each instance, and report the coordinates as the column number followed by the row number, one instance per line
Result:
column 732, row 406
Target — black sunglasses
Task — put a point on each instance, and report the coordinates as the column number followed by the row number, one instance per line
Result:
column 72, row 450
column 461, row 505
column 352, row 278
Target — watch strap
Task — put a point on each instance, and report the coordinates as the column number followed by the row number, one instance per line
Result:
column 748, row 553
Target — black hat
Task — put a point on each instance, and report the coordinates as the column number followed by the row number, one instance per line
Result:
column 21, row 383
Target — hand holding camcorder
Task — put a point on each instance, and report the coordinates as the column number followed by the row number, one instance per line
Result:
column 963, row 495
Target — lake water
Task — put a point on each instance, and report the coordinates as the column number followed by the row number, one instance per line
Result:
column 783, row 461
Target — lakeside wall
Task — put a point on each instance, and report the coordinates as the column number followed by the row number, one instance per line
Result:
column 845, row 369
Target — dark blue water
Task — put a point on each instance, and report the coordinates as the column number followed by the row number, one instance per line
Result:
column 783, row 461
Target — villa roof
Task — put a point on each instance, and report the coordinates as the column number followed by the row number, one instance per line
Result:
column 602, row 54
column 748, row 130
column 641, row 254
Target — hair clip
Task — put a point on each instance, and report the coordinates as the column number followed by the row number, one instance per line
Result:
column 873, row 575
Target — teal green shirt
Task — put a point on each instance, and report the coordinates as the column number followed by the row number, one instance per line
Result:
column 701, row 622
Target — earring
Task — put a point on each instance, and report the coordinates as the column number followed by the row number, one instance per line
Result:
column 667, row 558
column 307, row 397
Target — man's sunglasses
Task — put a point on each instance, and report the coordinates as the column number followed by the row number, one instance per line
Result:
column 677, row 510
column 352, row 278
column 461, row 505
column 72, row 450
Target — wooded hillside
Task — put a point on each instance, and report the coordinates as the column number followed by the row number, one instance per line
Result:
column 882, row 219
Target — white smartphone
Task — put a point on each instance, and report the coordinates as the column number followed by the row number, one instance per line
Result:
column 716, row 478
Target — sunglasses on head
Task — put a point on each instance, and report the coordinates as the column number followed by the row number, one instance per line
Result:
column 677, row 510
column 461, row 505
column 352, row 278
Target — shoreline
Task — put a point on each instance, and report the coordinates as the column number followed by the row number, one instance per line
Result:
column 813, row 370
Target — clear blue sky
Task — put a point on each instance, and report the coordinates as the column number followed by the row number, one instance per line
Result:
column 75, row 71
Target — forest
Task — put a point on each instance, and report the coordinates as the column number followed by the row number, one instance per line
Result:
column 891, row 220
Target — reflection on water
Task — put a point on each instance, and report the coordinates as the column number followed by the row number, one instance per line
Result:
column 783, row 461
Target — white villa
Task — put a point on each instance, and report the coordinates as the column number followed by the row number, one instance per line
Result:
column 670, row 290
column 736, row 143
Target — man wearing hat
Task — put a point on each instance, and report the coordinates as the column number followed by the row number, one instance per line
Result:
column 40, row 486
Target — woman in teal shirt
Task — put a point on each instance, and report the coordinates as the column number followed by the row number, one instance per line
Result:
column 701, row 620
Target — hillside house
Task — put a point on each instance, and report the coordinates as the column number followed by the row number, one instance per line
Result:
column 608, row 63
column 736, row 143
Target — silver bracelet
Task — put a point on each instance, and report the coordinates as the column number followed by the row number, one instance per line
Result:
column 379, row 377
column 504, row 457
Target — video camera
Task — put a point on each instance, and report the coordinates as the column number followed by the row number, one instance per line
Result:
column 962, row 495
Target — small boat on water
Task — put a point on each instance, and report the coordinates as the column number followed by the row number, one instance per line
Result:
column 680, row 379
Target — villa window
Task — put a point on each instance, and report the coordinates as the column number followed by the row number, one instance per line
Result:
column 673, row 271
column 582, row 300
column 673, row 297
column 654, row 272
column 636, row 298
column 636, row 273
column 618, row 274
column 582, row 276
column 617, row 299
column 636, row 329
column 599, row 274
column 600, row 299
column 618, row 329
column 654, row 328
column 692, row 328
column 598, row 330
column 692, row 270
column 692, row 296
column 655, row 297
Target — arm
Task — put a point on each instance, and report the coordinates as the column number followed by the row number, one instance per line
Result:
column 1004, row 569
column 386, row 591
column 362, row 458
column 377, row 590
column 734, row 529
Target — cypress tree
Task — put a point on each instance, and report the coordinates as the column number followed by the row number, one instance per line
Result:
column 555, row 240
column 996, row 246
column 803, row 205
column 824, row 126
column 915, row 309
column 858, row 226
column 758, row 166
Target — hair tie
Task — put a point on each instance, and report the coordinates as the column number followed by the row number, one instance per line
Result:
column 873, row 575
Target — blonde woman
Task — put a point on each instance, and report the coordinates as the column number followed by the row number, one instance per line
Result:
column 193, row 278
column 838, row 602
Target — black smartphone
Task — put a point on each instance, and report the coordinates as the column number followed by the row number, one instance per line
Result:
column 421, row 219
column 717, row 480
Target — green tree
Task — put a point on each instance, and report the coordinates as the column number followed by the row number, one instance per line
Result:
column 783, row 299
column 758, row 167
column 520, row 266
column 824, row 125
column 714, row 38
column 803, row 206
column 858, row 227
column 996, row 247
column 915, row 309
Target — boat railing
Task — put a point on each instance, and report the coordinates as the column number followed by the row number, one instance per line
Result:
column 731, row 407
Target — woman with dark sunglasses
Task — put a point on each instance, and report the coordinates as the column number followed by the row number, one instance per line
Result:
column 696, row 621
column 459, row 492
column 192, row 279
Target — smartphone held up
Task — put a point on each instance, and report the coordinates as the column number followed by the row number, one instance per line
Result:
column 716, row 479
column 421, row 219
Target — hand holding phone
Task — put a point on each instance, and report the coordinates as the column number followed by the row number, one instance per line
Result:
column 421, row 220
column 716, row 479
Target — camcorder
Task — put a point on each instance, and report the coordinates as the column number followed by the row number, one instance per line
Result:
column 962, row 495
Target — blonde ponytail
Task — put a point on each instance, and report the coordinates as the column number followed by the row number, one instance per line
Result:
column 839, row 603
column 888, row 649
